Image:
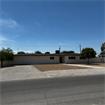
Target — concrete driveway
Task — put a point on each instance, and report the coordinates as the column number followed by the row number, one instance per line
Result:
column 20, row 72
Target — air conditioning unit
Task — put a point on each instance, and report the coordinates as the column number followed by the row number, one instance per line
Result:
column 47, row 52
column 57, row 51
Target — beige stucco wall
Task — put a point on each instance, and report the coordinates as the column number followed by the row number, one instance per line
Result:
column 46, row 60
column 97, row 60
column 33, row 60
column 78, row 60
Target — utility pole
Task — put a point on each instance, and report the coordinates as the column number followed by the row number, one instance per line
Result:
column 80, row 48
column 17, row 50
column 59, row 48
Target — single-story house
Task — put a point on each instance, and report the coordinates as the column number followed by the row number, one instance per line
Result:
column 51, row 59
column 101, row 55
column 46, row 58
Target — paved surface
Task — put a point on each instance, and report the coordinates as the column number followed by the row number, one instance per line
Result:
column 84, row 90
column 84, row 66
column 20, row 72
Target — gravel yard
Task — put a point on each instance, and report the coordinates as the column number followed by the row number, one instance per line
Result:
column 0, row 68
column 76, row 72
column 59, row 70
column 49, row 67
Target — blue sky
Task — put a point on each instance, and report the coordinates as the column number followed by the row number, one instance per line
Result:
column 45, row 25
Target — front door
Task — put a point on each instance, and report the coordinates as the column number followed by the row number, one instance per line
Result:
column 60, row 59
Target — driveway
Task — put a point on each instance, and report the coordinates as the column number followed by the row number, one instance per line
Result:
column 20, row 72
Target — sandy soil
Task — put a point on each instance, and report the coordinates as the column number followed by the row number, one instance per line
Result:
column 0, row 68
column 95, row 64
column 48, row 67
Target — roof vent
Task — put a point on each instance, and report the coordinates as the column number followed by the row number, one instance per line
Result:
column 57, row 51
column 47, row 52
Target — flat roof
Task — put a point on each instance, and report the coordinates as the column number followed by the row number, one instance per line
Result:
column 47, row 54
column 101, row 55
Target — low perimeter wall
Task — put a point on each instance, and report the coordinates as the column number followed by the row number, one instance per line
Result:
column 98, row 60
column 80, row 61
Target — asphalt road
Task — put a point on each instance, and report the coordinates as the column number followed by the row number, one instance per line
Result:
column 84, row 90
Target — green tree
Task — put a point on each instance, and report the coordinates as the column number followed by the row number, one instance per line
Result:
column 103, row 47
column 67, row 52
column 103, row 52
column 88, row 53
column 6, row 55
column 38, row 52
column 21, row 52
column 71, row 51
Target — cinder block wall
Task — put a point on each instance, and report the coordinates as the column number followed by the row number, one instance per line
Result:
column 97, row 60
column 78, row 60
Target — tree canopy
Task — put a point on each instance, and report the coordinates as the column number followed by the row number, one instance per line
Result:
column 103, row 52
column 38, row 52
column 6, row 55
column 21, row 52
column 103, row 46
column 65, row 52
column 88, row 53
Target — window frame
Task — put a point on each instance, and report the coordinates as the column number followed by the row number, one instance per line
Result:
column 71, row 58
column 51, row 58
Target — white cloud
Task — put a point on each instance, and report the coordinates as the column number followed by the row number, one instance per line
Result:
column 36, row 15
column 60, row 43
column 15, row 52
column 3, row 38
column 9, row 23
column 2, row 12
column 16, row 36
column 23, row 30
column 37, row 34
column 37, row 23
column 46, row 33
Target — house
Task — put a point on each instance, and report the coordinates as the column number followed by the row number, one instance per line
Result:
column 54, row 58
column 101, row 55
column 46, row 58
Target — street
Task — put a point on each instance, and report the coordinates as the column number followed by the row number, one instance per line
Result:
column 81, row 90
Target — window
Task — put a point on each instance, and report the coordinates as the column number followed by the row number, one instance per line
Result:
column 71, row 57
column 82, row 58
column 52, row 58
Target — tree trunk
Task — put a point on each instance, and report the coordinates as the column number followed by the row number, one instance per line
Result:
column 88, row 60
column 1, row 63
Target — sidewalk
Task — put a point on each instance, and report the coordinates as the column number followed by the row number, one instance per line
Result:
column 83, row 66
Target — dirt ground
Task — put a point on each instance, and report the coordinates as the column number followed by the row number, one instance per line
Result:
column 48, row 67
column 95, row 64
column 6, row 66
column 0, row 68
